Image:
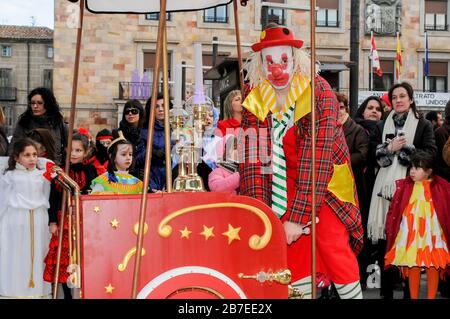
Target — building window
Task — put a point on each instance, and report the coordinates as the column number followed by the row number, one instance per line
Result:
column 155, row 16
column 48, row 79
column 384, row 82
column 50, row 52
column 6, row 50
column 216, row 15
column 327, row 15
column 149, row 64
column 5, row 77
column 436, row 15
column 273, row 15
column 437, row 77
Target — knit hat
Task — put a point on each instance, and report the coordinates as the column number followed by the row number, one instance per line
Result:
column 104, row 134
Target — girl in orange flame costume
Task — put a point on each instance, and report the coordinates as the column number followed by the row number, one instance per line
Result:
column 418, row 226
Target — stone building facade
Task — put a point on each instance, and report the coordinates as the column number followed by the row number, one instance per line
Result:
column 26, row 62
column 113, row 46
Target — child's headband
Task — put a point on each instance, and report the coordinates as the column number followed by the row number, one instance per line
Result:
column 118, row 139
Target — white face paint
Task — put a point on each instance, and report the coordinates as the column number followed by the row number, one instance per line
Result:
column 278, row 63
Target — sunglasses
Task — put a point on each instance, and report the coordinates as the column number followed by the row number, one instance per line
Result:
column 105, row 143
column 131, row 111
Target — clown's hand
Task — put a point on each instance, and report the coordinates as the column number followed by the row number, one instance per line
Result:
column 293, row 231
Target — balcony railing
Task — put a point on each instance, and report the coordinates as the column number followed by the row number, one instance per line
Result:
column 135, row 90
column 327, row 23
column 143, row 90
column 436, row 27
column 8, row 93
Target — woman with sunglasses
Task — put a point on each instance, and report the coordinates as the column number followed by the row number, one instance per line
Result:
column 133, row 117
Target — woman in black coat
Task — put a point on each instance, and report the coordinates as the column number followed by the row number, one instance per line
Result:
column 3, row 137
column 398, row 136
column 43, row 112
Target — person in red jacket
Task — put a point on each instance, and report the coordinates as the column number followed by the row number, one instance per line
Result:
column 232, row 109
column 276, row 167
column 418, row 225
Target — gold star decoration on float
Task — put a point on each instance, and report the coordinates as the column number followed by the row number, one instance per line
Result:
column 207, row 232
column 96, row 209
column 114, row 223
column 232, row 233
column 185, row 233
column 109, row 289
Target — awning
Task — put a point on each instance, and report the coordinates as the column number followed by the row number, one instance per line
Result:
column 333, row 64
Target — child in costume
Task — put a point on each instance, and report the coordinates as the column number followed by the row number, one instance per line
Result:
column 24, row 228
column 418, row 225
column 117, row 180
column 99, row 157
column 83, row 174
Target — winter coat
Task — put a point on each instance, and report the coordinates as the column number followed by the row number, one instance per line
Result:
column 423, row 137
column 223, row 180
column 59, row 131
column 442, row 134
column 3, row 142
column 440, row 193
column 158, row 167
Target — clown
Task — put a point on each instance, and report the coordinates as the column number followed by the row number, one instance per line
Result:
column 277, row 170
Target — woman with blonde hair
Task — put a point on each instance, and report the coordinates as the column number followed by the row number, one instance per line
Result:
column 232, row 112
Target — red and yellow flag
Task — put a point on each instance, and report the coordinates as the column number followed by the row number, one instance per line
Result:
column 398, row 59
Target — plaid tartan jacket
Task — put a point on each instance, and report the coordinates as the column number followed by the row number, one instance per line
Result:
column 331, row 148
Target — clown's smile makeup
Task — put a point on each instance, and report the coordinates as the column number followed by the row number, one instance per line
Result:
column 278, row 65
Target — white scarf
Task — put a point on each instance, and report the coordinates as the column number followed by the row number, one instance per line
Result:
column 386, row 177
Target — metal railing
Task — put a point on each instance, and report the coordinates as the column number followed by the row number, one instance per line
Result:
column 436, row 27
column 143, row 90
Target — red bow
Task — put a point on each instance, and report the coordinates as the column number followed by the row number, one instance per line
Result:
column 49, row 170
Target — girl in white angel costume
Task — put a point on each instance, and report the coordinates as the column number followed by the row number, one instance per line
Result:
column 24, row 230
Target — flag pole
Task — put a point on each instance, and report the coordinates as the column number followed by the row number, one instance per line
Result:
column 371, row 61
column 426, row 88
column 397, row 62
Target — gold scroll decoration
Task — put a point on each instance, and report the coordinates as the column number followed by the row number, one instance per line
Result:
column 255, row 242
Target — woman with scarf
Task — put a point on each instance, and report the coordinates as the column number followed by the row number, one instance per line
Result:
column 43, row 112
column 398, row 136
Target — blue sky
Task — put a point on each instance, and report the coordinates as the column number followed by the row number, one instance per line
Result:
column 19, row 12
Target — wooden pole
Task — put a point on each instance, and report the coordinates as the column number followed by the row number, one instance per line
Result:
column 313, row 147
column 238, row 46
column 148, row 153
column 167, row 144
column 69, row 139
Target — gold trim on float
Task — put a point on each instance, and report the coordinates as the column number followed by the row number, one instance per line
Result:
column 207, row 289
column 255, row 242
column 123, row 266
